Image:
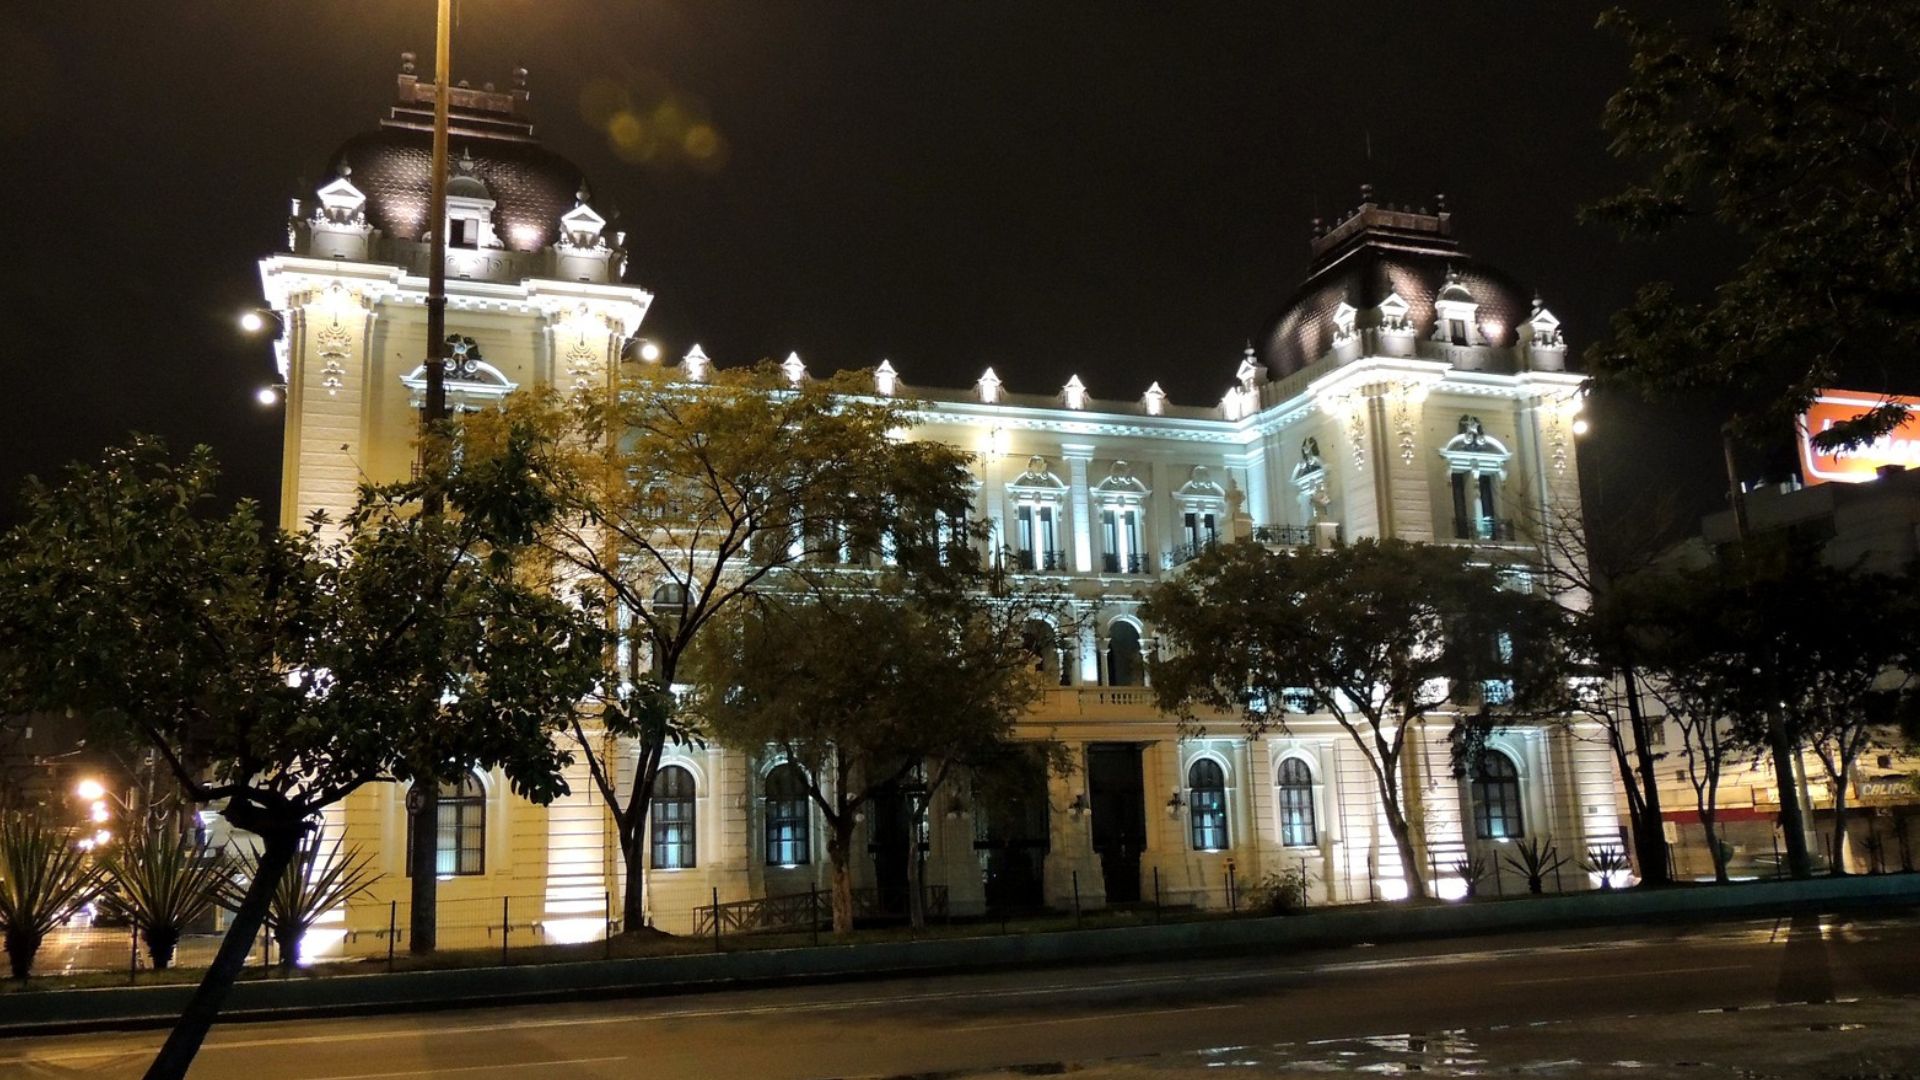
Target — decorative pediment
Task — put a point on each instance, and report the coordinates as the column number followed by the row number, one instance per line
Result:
column 794, row 369
column 582, row 226
column 1200, row 485
column 340, row 201
column 1121, row 483
column 1038, row 479
column 1344, row 318
column 886, row 381
column 988, row 387
column 1393, row 314
column 1544, row 328
column 1472, row 448
column 696, row 364
column 1074, row 394
column 1154, row 400
column 469, row 378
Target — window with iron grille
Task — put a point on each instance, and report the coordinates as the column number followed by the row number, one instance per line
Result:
column 1496, row 799
column 461, row 830
column 1297, row 827
column 672, row 816
column 787, row 817
column 1207, row 805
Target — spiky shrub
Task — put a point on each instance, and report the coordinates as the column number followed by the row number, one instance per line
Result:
column 44, row 879
column 1606, row 862
column 1472, row 870
column 162, row 887
column 1281, row 892
column 1534, row 860
column 320, row 878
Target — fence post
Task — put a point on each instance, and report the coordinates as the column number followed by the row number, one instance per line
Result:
column 505, row 926
column 133, row 956
column 393, row 925
column 606, row 923
column 1775, row 837
column 1233, row 898
column 1076, row 898
column 1156, row 896
column 716, row 918
column 813, row 909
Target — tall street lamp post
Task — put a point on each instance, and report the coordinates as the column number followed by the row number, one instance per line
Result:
column 423, row 800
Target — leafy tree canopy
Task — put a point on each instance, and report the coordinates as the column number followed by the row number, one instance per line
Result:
column 1794, row 127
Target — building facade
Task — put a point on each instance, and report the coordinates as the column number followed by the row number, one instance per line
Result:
column 1405, row 390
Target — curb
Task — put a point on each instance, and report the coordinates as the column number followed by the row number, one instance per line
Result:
column 67, row 1011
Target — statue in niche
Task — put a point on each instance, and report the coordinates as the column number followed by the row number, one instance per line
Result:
column 1472, row 434
column 1309, row 454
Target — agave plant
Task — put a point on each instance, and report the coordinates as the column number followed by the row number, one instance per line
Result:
column 1537, row 859
column 1472, row 870
column 44, row 879
column 320, row 878
column 161, row 886
column 1608, row 862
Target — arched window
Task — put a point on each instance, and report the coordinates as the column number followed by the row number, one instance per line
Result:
column 461, row 832
column 1297, row 827
column 1040, row 640
column 787, row 817
column 673, row 826
column 1207, row 805
column 1496, row 798
column 669, row 611
column 1123, row 655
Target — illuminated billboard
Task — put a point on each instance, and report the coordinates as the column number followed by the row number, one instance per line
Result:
column 1901, row 446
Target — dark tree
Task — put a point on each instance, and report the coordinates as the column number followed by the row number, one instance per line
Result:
column 276, row 673
column 1791, row 127
column 1379, row 635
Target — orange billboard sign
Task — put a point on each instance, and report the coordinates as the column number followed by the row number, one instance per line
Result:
column 1901, row 446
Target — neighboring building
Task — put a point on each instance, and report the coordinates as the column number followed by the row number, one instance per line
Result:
column 1871, row 526
column 1405, row 390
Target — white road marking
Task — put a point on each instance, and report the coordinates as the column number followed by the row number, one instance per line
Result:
column 1626, row 975
column 1098, row 1016
column 472, row 1069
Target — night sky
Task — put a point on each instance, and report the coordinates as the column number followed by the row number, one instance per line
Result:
column 1118, row 190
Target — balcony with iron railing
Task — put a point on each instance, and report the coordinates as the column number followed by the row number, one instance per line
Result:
column 1186, row 553
column 1134, row 563
column 1495, row 530
column 1046, row 562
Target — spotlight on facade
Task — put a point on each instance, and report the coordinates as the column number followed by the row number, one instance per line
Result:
column 649, row 351
column 267, row 395
column 253, row 322
column 1580, row 426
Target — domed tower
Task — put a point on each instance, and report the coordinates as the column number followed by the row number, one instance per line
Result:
column 534, row 286
column 1421, row 393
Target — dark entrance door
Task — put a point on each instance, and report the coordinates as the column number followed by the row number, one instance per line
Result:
column 1119, row 802
column 1010, row 832
column 887, row 843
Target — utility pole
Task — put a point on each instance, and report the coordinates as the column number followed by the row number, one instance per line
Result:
column 423, row 801
column 1779, row 746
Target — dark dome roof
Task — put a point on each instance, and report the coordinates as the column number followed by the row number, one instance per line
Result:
column 531, row 185
column 1373, row 253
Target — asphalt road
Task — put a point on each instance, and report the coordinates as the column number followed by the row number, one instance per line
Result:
column 1073, row 1017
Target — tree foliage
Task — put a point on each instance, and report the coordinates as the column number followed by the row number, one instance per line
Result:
column 675, row 501
column 1378, row 634
column 869, row 685
column 1793, row 127
column 276, row 673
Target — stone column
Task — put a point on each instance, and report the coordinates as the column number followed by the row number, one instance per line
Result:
column 1070, row 842
column 1078, row 456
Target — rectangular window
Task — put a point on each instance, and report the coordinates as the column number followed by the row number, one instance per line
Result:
column 1462, row 523
column 1048, row 542
column 1457, row 330
column 1136, row 563
column 463, row 233
column 1487, row 515
column 1110, row 541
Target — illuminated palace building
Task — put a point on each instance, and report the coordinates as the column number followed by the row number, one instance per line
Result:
column 1405, row 390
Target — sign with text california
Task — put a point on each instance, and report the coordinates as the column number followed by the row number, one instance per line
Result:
column 1901, row 446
